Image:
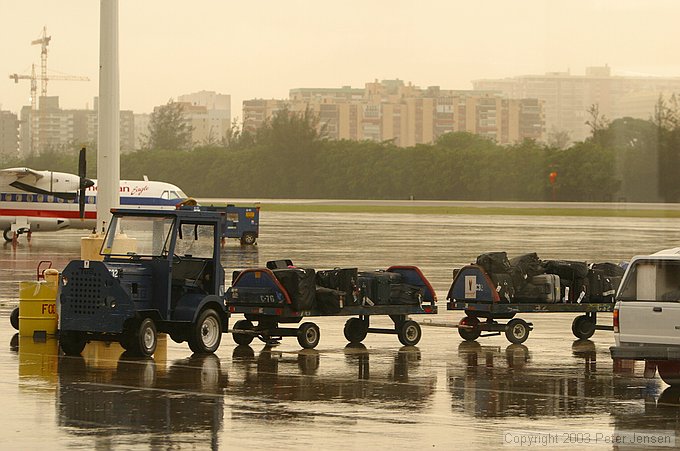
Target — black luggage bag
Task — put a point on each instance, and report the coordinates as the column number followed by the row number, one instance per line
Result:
column 342, row 279
column 329, row 301
column 404, row 293
column 524, row 267
column 375, row 286
column 573, row 279
column 300, row 283
column 494, row 262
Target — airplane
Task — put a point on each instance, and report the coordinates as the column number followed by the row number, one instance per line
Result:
column 43, row 201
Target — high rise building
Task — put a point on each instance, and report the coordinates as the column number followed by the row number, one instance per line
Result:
column 568, row 97
column 210, row 115
column 391, row 110
column 9, row 134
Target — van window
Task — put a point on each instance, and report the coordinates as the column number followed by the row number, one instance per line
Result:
column 652, row 280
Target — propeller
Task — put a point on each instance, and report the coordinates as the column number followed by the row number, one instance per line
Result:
column 83, row 182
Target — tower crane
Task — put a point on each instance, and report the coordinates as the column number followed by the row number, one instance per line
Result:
column 43, row 41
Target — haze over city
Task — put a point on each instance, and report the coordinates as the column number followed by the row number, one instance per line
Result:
column 262, row 49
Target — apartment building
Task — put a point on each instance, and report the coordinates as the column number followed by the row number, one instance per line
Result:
column 52, row 128
column 9, row 134
column 209, row 113
column 567, row 98
column 391, row 110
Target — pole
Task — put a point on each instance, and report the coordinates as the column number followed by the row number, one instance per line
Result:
column 108, row 152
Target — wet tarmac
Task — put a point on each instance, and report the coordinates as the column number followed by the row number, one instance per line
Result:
column 444, row 393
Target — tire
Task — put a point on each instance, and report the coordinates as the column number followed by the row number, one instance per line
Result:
column 142, row 339
column 669, row 371
column 72, row 342
column 206, row 333
column 469, row 334
column 583, row 327
column 8, row 235
column 308, row 335
column 517, row 331
column 248, row 239
column 14, row 318
column 409, row 333
column 355, row 330
column 243, row 339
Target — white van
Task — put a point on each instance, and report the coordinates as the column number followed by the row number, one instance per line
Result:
column 647, row 314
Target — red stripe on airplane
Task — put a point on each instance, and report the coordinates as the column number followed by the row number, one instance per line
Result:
column 66, row 214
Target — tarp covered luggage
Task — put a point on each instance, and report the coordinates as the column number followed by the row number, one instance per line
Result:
column 329, row 301
column 343, row 279
column 603, row 281
column 300, row 283
column 404, row 293
column 573, row 279
column 524, row 267
column 494, row 262
column 375, row 286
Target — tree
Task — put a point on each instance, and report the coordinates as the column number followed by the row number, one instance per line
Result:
column 558, row 139
column 597, row 122
column 168, row 129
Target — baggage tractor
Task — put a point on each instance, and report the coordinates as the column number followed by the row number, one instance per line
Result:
column 343, row 279
column 300, row 283
column 375, row 286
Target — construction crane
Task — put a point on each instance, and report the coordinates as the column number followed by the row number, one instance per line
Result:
column 43, row 41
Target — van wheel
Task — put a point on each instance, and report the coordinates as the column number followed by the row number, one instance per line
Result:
column 583, row 327
column 206, row 333
column 669, row 371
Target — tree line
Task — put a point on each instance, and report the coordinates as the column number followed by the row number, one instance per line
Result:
column 626, row 159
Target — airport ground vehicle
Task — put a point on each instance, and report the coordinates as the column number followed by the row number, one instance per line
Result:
column 260, row 295
column 161, row 273
column 474, row 292
column 647, row 315
column 241, row 223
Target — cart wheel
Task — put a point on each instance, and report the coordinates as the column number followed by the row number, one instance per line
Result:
column 517, row 331
column 469, row 334
column 72, row 342
column 583, row 327
column 242, row 339
column 308, row 335
column 409, row 333
column 248, row 239
column 14, row 318
column 206, row 332
column 142, row 339
column 669, row 371
column 355, row 330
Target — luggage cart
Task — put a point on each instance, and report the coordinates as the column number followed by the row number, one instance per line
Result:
column 264, row 321
column 474, row 293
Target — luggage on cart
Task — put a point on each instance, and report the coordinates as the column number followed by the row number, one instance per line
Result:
column 573, row 279
column 524, row 267
column 544, row 288
column 300, row 283
column 375, row 286
column 494, row 262
column 343, row 279
column 404, row 293
column 329, row 301
column 504, row 286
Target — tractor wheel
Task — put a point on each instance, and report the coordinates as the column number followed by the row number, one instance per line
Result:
column 142, row 340
column 248, row 239
column 206, row 333
column 72, row 342
column 308, row 335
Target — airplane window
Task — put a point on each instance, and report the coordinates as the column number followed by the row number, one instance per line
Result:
column 165, row 195
column 174, row 195
column 181, row 194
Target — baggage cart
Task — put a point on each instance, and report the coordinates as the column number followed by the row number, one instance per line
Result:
column 267, row 306
column 474, row 292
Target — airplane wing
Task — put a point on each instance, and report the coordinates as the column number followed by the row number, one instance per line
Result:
column 20, row 173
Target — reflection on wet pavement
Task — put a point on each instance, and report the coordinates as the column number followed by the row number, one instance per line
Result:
column 444, row 393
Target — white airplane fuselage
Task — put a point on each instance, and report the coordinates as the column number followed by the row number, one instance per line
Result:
column 43, row 204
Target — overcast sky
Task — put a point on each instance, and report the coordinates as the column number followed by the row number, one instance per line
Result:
column 261, row 49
